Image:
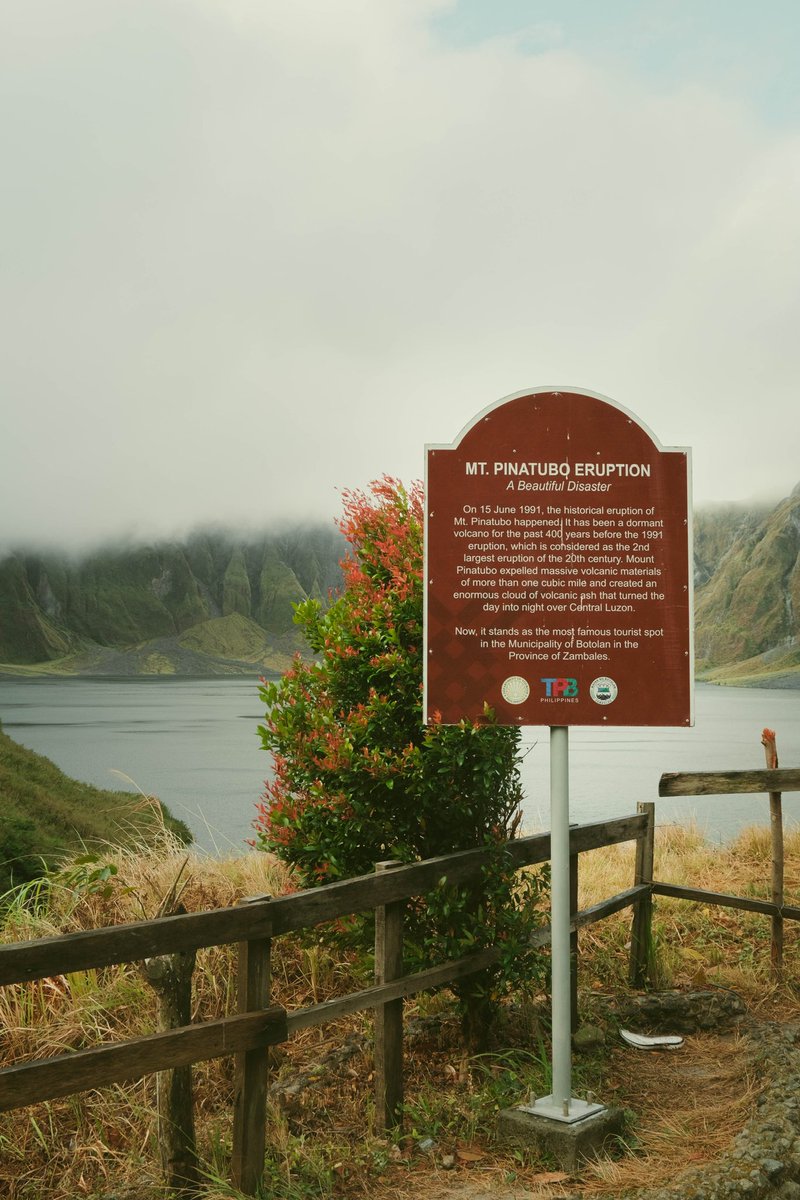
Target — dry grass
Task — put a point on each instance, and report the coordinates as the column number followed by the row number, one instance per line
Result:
column 322, row 1143
column 696, row 944
column 690, row 1103
column 79, row 1145
column 683, row 856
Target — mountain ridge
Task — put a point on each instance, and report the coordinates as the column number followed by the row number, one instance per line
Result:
column 130, row 610
column 217, row 603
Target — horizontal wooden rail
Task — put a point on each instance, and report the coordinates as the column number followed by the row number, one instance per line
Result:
column 396, row 989
column 421, row 981
column 30, row 1082
column 45, row 957
column 21, row 962
column 727, row 783
column 598, row 912
column 746, row 903
column 312, row 907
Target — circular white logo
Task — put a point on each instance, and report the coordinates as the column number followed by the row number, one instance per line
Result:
column 603, row 690
column 515, row 690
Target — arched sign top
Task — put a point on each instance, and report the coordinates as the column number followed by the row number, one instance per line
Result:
column 559, row 582
column 487, row 413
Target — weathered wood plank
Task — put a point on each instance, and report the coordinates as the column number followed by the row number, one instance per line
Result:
column 30, row 1082
column 306, row 909
column 727, row 783
column 776, row 839
column 605, row 908
column 590, row 916
column 23, row 961
column 745, row 903
column 251, row 1069
column 60, row 955
column 606, row 833
column 311, row 907
column 407, row 985
column 388, row 1054
column 641, row 925
column 170, row 976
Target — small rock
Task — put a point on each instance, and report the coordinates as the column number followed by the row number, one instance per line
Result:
column 588, row 1037
column 426, row 1145
column 771, row 1167
column 448, row 1162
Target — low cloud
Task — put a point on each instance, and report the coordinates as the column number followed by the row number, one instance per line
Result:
column 256, row 253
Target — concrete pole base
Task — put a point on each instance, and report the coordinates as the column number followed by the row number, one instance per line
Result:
column 568, row 1143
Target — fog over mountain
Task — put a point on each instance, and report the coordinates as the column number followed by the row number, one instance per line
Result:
column 212, row 604
column 218, row 603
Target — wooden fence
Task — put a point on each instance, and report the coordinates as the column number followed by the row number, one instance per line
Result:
column 257, row 1025
column 729, row 783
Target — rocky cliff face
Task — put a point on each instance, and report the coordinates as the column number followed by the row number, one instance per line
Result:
column 715, row 531
column 117, row 599
column 747, row 604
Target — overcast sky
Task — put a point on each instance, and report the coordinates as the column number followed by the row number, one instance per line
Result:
column 256, row 251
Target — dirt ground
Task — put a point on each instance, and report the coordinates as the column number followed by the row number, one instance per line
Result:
column 689, row 1104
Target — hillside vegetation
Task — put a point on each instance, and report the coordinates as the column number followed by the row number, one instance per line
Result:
column 44, row 815
column 747, row 609
column 214, row 604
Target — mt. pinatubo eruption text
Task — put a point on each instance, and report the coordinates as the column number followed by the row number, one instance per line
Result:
column 559, row 476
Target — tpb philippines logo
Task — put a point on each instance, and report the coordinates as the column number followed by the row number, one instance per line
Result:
column 560, row 689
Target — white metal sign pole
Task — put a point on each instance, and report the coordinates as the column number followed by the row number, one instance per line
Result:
column 561, row 1105
column 560, row 917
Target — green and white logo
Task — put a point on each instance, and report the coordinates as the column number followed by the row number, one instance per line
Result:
column 515, row 690
column 603, row 690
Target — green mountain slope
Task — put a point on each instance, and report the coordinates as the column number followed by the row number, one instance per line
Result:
column 44, row 814
column 126, row 610
column 747, row 612
column 716, row 528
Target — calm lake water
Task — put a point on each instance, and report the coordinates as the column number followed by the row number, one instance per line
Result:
column 194, row 743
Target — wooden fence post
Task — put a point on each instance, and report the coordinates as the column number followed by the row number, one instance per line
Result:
column 250, row 1079
column 573, row 941
column 388, row 1016
column 776, row 840
column 170, row 976
column 642, row 926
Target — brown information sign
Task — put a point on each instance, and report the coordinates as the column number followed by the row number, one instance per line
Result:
column 558, row 554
